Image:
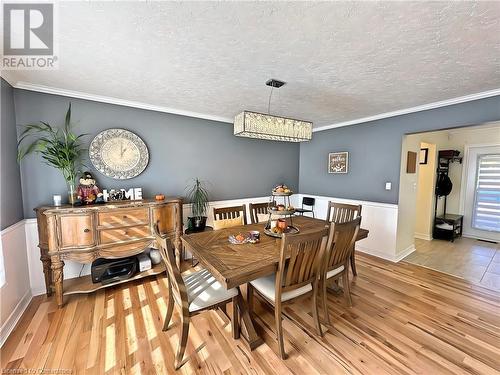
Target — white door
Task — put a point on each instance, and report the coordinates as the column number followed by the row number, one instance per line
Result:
column 482, row 193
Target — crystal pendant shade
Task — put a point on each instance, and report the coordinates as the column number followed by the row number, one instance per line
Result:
column 275, row 128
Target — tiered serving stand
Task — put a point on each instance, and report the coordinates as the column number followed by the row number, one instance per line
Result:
column 284, row 214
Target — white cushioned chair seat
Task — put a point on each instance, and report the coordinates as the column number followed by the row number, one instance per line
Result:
column 334, row 272
column 204, row 290
column 266, row 286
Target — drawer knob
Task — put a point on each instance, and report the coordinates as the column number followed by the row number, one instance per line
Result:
column 125, row 216
column 86, row 230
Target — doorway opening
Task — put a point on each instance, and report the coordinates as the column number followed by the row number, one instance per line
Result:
column 452, row 202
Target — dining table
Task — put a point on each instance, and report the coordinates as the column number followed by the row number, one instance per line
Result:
column 234, row 265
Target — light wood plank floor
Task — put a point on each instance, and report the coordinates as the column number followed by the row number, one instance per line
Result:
column 405, row 320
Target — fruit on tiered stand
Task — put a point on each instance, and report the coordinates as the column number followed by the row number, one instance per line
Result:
column 280, row 214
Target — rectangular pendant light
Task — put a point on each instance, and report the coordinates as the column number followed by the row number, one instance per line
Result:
column 275, row 128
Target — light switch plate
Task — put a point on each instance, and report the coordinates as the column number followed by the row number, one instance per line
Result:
column 388, row 185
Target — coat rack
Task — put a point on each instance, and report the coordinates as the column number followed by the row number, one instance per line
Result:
column 445, row 158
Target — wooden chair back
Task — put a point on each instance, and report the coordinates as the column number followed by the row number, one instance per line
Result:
column 176, row 282
column 341, row 238
column 257, row 208
column 231, row 213
column 304, row 252
column 342, row 213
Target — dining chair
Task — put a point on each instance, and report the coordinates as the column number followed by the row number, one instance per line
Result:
column 295, row 277
column 342, row 213
column 341, row 238
column 230, row 216
column 193, row 294
column 257, row 209
column 306, row 201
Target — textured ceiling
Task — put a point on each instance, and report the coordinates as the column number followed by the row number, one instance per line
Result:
column 342, row 60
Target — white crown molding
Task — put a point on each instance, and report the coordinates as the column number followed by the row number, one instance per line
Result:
column 116, row 101
column 424, row 107
column 150, row 107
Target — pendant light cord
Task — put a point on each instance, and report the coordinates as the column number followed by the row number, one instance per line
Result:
column 269, row 101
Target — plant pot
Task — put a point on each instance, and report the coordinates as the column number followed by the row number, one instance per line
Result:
column 71, row 193
column 197, row 223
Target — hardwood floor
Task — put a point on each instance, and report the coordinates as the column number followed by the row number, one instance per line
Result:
column 405, row 319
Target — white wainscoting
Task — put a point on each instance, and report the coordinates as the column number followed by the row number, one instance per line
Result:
column 15, row 294
column 380, row 219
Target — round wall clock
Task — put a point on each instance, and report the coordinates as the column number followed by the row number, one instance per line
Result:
column 119, row 153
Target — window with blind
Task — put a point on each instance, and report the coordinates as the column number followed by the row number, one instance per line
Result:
column 486, row 212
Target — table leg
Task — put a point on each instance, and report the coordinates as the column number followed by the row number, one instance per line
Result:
column 247, row 329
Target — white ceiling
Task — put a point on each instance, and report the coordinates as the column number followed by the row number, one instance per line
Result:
column 342, row 60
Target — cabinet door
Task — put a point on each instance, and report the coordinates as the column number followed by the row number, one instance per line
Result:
column 166, row 215
column 76, row 231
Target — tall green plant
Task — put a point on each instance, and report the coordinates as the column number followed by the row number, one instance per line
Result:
column 59, row 146
column 197, row 194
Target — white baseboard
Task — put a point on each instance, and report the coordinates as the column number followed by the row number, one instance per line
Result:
column 383, row 255
column 423, row 236
column 9, row 325
column 403, row 254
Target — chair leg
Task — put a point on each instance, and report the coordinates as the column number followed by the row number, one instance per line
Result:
column 347, row 289
column 250, row 300
column 235, row 322
column 353, row 264
column 170, row 307
column 315, row 310
column 279, row 330
column 325, row 302
column 183, row 340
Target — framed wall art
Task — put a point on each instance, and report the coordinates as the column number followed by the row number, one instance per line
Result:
column 338, row 162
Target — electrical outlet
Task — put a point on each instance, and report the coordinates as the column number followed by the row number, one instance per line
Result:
column 388, row 185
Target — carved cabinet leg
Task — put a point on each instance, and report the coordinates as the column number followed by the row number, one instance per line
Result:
column 47, row 271
column 57, row 277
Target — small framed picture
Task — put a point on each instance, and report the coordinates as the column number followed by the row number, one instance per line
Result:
column 338, row 162
column 423, row 156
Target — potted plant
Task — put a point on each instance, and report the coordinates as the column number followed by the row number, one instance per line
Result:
column 59, row 148
column 197, row 194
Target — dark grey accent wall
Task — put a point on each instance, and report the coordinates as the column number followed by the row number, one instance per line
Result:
column 11, row 204
column 180, row 148
column 375, row 150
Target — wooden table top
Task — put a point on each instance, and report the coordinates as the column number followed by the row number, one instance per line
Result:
column 234, row 265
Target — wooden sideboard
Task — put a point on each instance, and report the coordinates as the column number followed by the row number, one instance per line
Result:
column 111, row 230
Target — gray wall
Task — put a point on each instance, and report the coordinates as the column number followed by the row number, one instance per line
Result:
column 375, row 150
column 11, row 204
column 180, row 148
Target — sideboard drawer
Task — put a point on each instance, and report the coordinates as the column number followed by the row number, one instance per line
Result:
column 76, row 231
column 119, row 218
column 125, row 234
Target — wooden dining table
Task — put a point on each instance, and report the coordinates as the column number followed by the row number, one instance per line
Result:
column 235, row 265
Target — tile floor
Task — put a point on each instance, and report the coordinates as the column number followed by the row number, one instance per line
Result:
column 473, row 260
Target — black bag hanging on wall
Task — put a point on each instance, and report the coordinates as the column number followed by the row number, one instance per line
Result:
column 443, row 185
